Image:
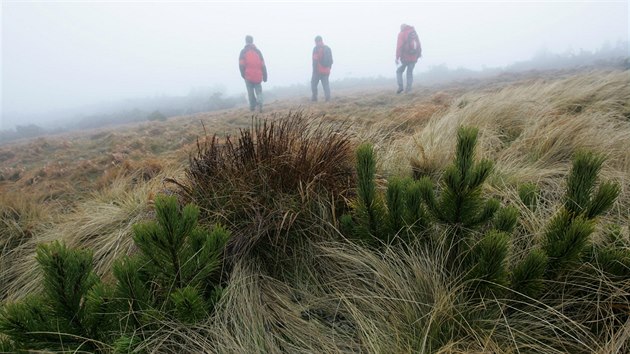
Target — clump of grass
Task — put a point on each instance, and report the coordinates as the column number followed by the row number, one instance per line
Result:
column 267, row 183
column 530, row 123
column 259, row 313
column 404, row 301
column 103, row 223
column 139, row 171
column 21, row 219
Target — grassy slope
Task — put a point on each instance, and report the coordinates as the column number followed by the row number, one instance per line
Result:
column 88, row 188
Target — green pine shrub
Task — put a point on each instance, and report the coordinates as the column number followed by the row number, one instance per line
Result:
column 369, row 206
column 176, row 275
column 126, row 344
column 6, row 346
column 178, row 271
column 474, row 233
column 66, row 315
column 506, row 219
column 528, row 193
column 615, row 262
column 382, row 220
column 409, row 206
column 568, row 233
column 489, row 273
column 176, row 251
column 612, row 255
column 565, row 239
column 571, row 269
column 458, row 203
column 581, row 197
column 527, row 277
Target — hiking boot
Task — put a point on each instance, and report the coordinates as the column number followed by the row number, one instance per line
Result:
column 399, row 90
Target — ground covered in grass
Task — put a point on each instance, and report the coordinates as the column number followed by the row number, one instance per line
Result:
column 296, row 278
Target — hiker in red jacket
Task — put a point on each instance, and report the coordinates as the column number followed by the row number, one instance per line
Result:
column 408, row 50
column 322, row 61
column 253, row 70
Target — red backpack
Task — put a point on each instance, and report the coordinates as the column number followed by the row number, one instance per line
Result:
column 412, row 44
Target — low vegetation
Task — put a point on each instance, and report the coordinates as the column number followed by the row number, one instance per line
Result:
column 486, row 219
column 273, row 184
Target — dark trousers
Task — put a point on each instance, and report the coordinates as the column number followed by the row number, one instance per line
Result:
column 315, row 82
column 254, row 93
column 399, row 75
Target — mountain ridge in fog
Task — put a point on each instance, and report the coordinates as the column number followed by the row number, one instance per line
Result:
column 203, row 99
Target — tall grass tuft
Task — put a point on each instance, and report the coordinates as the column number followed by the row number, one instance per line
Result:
column 103, row 223
column 272, row 181
column 21, row 220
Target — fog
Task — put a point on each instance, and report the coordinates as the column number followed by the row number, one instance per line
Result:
column 62, row 55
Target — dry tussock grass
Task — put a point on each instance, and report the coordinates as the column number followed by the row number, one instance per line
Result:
column 346, row 298
column 342, row 297
column 101, row 223
column 536, row 117
column 144, row 170
column 21, row 219
column 263, row 183
column 256, row 314
column 532, row 130
column 402, row 301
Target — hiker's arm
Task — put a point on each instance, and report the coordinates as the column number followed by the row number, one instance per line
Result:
column 241, row 63
column 315, row 57
column 399, row 45
column 264, row 67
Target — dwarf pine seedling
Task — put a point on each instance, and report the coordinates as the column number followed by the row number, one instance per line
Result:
column 176, row 275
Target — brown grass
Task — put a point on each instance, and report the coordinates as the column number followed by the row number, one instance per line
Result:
column 21, row 219
column 101, row 223
column 532, row 130
column 264, row 183
column 334, row 296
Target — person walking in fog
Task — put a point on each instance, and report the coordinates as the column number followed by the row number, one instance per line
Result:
column 322, row 62
column 408, row 50
column 253, row 71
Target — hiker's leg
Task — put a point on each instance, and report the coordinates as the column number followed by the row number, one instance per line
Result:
column 259, row 96
column 314, row 83
column 410, row 67
column 326, row 86
column 399, row 78
column 250, row 95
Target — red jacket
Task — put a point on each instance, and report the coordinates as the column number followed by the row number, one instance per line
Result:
column 318, row 54
column 400, row 50
column 252, row 65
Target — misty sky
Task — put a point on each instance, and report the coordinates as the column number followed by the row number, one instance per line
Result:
column 58, row 55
